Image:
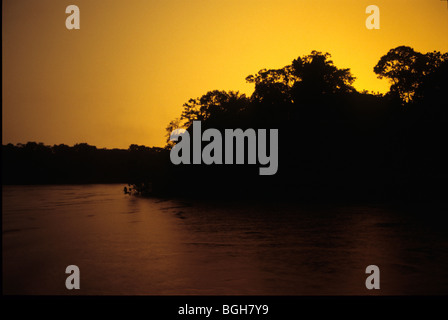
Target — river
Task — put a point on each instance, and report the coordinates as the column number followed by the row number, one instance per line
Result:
column 128, row 245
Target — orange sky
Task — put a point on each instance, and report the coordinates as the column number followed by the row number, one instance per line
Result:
column 126, row 73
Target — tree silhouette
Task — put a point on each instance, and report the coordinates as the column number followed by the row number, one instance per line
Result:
column 333, row 140
column 318, row 75
column 213, row 105
column 331, row 136
column 272, row 85
column 312, row 74
column 406, row 69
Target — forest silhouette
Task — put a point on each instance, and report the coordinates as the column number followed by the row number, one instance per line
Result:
column 334, row 142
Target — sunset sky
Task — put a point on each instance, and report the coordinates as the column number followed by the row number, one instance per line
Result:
column 125, row 74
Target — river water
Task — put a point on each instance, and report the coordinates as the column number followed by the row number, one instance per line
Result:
column 127, row 245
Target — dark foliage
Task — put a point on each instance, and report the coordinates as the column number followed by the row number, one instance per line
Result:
column 36, row 163
column 334, row 142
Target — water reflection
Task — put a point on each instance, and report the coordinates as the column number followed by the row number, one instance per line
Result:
column 130, row 245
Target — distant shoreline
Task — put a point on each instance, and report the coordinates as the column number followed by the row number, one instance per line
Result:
column 280, row 198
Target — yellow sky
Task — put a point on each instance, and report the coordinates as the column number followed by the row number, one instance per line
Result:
column 126, row 73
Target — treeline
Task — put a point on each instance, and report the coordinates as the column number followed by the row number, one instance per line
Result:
column 334, row 141
column 36, row 163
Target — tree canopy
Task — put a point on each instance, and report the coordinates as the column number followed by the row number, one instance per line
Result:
column 407, row 69
column 333, row 139
column 329, row 133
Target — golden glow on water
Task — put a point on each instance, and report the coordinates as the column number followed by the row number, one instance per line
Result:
column 130, row 245
column 126, row 73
